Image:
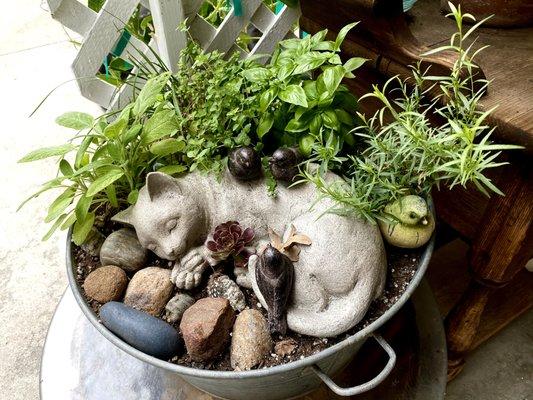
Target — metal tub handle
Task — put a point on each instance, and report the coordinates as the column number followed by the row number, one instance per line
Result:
column 352, row 391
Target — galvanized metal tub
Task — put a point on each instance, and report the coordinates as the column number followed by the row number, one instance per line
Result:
column 281, row 382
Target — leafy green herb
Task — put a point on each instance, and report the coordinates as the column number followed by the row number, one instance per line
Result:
column 410, row 155
column 299, row 92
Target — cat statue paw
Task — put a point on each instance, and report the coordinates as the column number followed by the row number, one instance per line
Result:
column 335, row 279
column 187, row 272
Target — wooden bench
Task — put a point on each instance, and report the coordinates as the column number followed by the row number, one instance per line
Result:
column 500, row 229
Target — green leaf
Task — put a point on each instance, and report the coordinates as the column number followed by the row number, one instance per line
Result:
column 342, row 34
column 54, row 227
column 166, row 147
column 297, row 125
column 132, row 133
column 65, row 168
column 329, row 117
column 82, row 207
column 265, row 124
column 266, row 99
column 112, row 195
column 69, row 221
column 344, row 117
column 327, row 45
column 294, row 94
column 331, row 78
column 82, row 228
column 116, row 128
column 120, row 65
column 310, row 61
column 306, row 145
column 75, row 120
column 133, row 196
column 60, row 204
column 310, row 90
column 103, row 181
column 258, row 74
column 114, row 150
column 148, row 94
column 285, row 71
column 162, row 123
column 46, row 152
column 173, row 169
column 86, row 142
column 354, row 63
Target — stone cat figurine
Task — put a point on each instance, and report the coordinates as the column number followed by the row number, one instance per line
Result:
column 335, row 279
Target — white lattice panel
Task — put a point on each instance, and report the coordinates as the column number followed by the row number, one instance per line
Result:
column 102, row 30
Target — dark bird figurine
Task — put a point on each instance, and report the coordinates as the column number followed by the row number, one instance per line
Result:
column 284, row 163
column 274, row 275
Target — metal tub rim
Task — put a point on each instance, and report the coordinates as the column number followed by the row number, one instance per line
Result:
column 307, row 362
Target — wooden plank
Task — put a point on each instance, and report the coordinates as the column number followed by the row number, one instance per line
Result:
column 448, row 276
column 191, row 7
column 100, row 39
column 263, row 17
column 73, row 15
column 276, row 31
column 202, row 31
column 230, row 28
column 98, row 90
column 508, row 63
column 167, row 16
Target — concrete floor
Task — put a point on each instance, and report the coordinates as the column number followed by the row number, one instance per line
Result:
column 35, row 56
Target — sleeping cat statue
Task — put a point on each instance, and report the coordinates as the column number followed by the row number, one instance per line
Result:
column 335, row 279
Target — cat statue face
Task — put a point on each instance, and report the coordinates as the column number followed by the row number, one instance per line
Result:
column 167, row 220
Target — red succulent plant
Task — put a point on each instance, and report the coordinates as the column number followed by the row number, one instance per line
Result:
column 229, row 239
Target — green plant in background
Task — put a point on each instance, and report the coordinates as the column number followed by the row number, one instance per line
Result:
column 192, row 119
column 410, row 155
column 177, row 122
column 299, row 92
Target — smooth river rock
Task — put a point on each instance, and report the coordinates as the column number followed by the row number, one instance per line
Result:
column 149, row 290
column 223, row 286
column 106, row 283
column 122, row 248
column 140, row 330
column 206, row 327
column 250, row 341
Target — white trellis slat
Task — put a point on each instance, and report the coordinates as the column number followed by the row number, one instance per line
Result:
column 101, row 32
column 167, row 14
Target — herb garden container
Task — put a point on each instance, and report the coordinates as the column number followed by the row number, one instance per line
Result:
column 279, row 382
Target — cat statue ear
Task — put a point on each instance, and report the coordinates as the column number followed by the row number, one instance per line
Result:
column 158, row 183
column 124, row 216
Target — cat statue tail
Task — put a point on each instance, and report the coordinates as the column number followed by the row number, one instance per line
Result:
column 342, row 313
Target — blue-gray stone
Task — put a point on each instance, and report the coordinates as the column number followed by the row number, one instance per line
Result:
column 141, row 330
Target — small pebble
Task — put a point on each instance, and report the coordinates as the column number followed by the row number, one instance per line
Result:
column 122, row 248
column 106, row 284
column 251, row 341
column 149, row 290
